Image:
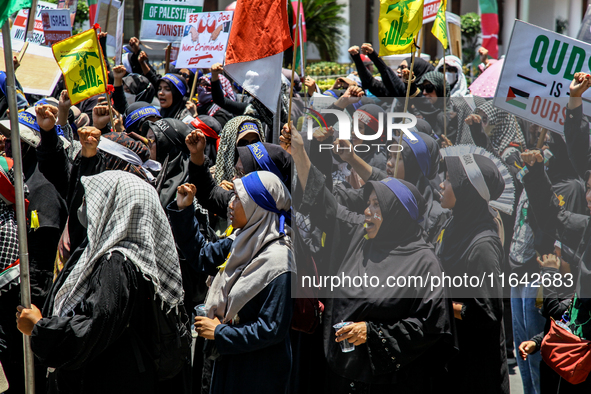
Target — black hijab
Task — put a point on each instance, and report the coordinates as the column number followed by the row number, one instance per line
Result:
column 421, row 159
column 472, row 216
column 420, row 68
column 398, row 250
column 140, row 86
column 178, row 98
column 173, row 154
column 277, row 154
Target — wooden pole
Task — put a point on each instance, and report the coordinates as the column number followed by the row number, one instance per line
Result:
column 193, row 87
column 293, row 66
column 444, row 96
column 21, row 54
column 167, row 55
column 106, row 89
column 412, row 65
column 542, row 138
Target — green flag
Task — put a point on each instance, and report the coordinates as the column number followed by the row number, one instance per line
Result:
column 8, row 8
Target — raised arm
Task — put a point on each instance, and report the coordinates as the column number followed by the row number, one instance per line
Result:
column 576, row 125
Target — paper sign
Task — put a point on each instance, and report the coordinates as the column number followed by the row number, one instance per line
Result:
column 19, row 28
column 205, row 40
column 164, row 20
column 56, row 25
column 36, row 58
column 536, row 75
column 109, row 9
column 71, row 5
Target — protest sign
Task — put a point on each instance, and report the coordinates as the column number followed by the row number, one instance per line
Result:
column 19, row 28
column 71, row 5
column 164, row 20
column 107, row 15
column 205, row 39
column 56, row 25
column 36, row 58
column 430, row 10
column 537, row 73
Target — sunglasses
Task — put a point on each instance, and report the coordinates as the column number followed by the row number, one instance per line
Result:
column 402, row 67
column 428, row 88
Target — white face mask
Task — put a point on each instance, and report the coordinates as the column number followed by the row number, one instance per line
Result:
column 451, row 77
column 130, row 98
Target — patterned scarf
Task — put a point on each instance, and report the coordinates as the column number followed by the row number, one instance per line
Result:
column 506, row 129
column 124, row 214
column 224, row 164
column 9, row 259
column 226, row 87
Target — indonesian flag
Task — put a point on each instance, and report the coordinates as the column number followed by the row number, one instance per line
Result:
column 489, row 20
column 259, row 36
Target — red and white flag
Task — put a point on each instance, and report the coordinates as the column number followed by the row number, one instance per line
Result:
column 259, row 36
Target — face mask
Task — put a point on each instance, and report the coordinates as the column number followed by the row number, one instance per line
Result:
column 130, row 98
column 451, row 78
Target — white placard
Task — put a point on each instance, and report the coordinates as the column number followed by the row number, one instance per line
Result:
column 56, row 25
column 205, row 39
column 537, row 73
column 19, row 28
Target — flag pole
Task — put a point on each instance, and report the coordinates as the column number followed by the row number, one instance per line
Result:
column 167, row 62
column 444, row 96
column 31, row 20
column 293, row 63
column 21, row 218
column 193, row 87
column 105, row 79
column 412, row 65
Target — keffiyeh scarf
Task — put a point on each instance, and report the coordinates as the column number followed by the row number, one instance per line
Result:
column 9, row 264
column 506, row 129
column 124, row 214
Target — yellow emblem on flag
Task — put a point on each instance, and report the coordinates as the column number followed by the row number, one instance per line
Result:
column 439, row 29
column 400, row 22
column 80, row 59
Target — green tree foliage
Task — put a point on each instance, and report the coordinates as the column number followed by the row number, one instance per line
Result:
column 322, row 26
column 471, row 28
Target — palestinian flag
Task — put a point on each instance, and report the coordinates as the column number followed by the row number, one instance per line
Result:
column 489, row 20
column 300, row 36
column 517, row 98
column 10, row 7
column 92, row 8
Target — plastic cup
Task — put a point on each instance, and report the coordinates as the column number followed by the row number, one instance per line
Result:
column 200, row 310
column 346, row 346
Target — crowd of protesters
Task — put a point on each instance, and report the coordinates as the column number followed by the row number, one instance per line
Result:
column 185, row 221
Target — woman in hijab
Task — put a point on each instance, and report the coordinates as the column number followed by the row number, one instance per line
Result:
column 383, row 242
column 454, row 75
column 469, row 244
column 167, row 147
column 249, row 303
column 97, row 328
column 172, row 89
column 216, row 98
column 431, row 105
column 418, row 165
column 211, row 129
column 130, row 89
column 137, row 113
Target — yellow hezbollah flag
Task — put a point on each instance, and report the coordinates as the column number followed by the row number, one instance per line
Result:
column 80, row 59
column 439, row 29
column 400, row 21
